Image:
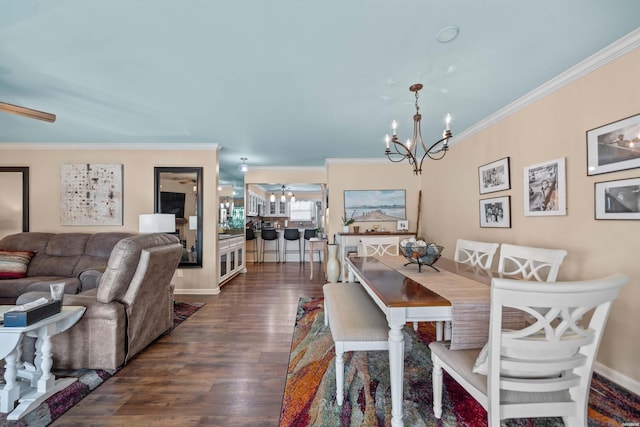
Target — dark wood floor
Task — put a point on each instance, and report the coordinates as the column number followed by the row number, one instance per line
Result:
column 224, row 366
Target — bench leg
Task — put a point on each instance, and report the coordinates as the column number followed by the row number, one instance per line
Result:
column 339, row 373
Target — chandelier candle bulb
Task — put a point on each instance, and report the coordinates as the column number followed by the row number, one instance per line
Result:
column 394, row 127
column 386, row 139
column 447, row 122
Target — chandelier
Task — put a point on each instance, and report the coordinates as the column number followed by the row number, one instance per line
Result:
column 409, row 150
column 283, row 198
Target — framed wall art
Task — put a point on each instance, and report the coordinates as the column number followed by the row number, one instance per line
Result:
column 494, row 176
column 614, row 147
column 375, row 205
column 495, row 212
column 545, row 189
column 91, row 194
column 618, row 199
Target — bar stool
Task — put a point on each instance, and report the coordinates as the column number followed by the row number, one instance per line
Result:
column 292, row 235
column 308, row 234
column 270, row 234
column 250, row 235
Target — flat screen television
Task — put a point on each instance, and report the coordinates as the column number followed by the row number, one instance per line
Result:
column 172, row 203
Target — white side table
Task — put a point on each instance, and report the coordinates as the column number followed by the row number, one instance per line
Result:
column 34, row 386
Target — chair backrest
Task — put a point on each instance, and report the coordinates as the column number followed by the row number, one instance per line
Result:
column 309, row 233
column 530, row 263
column 370, row 246
column 291, row 234
column 476, row 254
column 269, row 234
column 553, row 356
column 250, row 234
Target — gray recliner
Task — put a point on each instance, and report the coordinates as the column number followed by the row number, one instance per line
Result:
column 131, row 306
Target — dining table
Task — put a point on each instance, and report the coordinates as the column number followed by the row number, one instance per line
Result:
column 458, row 294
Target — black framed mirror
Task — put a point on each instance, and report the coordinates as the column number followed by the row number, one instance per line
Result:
column 14, row 205
column 178, row 190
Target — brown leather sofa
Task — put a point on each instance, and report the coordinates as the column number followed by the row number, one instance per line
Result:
column 131, row 306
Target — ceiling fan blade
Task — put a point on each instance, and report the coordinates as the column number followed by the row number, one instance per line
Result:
column 27, row 112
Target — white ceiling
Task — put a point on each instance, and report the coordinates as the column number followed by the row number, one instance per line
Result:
column 285, row 82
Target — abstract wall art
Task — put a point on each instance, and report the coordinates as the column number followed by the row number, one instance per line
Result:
column 91, row 194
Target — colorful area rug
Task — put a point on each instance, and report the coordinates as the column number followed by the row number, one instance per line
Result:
column 309, row 397
column 88, row 380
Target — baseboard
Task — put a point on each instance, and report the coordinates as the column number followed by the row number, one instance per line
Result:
column 215, row 291
column 618, row 378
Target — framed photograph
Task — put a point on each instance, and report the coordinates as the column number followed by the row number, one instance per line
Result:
column 403, row 225
column 618, row 199
column 546, row 186
column 614, row 147
column 375, row 205
column 494, row 176
column 495, row 212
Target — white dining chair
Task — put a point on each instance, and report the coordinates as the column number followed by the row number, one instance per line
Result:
column 542, row 370
column 475, row 254
column 528, row 263
column 370, row 246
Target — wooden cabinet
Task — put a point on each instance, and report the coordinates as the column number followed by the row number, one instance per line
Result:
column 231, row 257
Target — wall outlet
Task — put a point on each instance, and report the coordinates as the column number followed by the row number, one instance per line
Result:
column 179, row 273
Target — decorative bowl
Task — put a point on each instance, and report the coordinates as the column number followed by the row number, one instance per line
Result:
column 420, row 252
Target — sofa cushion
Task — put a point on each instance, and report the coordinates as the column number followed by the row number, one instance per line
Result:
column 62, row 253
column 97, row 251
column 14, row 264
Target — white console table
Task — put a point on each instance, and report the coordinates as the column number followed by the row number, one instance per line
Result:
column 349, row 240
column 34, row 385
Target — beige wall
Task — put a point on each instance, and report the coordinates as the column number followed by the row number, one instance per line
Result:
column 551, row 128
column 138, row 183
column 344, row 174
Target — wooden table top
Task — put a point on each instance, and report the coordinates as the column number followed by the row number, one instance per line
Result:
column 393, row 288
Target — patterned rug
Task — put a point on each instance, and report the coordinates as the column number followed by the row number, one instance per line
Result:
column 309, row 397
column 88, row 380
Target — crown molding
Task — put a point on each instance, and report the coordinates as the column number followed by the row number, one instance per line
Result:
column 601, row 58
column 369, row 160
column 287, row 168
column 112, row 146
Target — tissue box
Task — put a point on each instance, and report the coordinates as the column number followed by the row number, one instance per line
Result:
column 31, row 316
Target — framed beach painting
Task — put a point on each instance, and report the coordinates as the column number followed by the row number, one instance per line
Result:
column 618, row 199
column 545, row 191
column 614, row 147
column 494, row 176
column 375, row 205
column 495, row 212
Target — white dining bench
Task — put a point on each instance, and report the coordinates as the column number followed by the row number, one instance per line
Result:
column 356, row 323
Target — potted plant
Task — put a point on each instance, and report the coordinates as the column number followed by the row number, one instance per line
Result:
column 347, row 222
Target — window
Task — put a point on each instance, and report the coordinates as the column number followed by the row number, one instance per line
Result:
column 301, row 210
